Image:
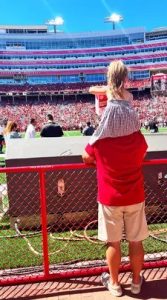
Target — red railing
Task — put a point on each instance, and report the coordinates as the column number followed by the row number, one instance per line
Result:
column 45, row 176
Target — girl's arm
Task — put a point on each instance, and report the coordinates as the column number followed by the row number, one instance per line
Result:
column 98, row 90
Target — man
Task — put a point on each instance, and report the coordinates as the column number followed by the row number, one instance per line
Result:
column 153, row 126
column 30, row 132
column 1, row 136
column 51, row 129
column 88, row 130
column 121, row 201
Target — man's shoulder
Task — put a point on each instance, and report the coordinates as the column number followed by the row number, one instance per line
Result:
column 51, row 124
column 88, row 130
column 46, row 125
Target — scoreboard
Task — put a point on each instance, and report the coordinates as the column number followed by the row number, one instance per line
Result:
column 159, row 84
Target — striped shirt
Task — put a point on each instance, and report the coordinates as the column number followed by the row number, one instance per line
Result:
column 118, row 119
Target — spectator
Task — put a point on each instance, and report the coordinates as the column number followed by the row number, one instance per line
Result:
column 51, row 129
column 88, row 130
column 1, row 137
column 30, row 132
column 14, row 132
column 80, row 127
column 153, row 126
column 121, row 201
column 146, row 125
column 119, row 117
column 10, row 131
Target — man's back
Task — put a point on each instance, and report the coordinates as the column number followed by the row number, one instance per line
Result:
column 51, row 130
column 153, row 126
column 119, row 172
column 89, row 130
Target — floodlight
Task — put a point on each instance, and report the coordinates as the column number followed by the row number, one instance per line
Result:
column 55, row 22
column 114, row 18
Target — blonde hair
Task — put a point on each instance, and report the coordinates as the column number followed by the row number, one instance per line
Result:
column 116, row 75
column 9, row 127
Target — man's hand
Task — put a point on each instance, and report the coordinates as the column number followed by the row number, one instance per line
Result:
column 87, row 159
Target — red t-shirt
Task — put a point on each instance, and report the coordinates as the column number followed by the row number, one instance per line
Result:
column 119, row 169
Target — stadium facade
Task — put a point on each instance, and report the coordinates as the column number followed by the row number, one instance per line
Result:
column 33, row 56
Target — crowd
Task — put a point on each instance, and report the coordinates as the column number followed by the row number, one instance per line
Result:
column 72, row 115
column 71, row 87
column 150, row 109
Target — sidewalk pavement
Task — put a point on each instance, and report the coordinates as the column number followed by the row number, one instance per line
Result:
column 89, row 288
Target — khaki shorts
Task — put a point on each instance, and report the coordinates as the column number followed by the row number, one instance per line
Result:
column 112, row 220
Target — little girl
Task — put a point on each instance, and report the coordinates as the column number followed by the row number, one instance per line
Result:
column 118, row 118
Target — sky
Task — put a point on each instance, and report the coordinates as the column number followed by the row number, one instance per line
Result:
column 85, row 15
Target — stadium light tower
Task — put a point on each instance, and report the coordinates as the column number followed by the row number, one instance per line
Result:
column 114, row 18
column 55, row 22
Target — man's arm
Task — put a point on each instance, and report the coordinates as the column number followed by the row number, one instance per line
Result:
column 84, row 131
column 88, row 155
column 87, row 159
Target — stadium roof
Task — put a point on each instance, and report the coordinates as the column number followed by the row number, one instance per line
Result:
column 17, row 29
column 160, row 29
column 29, row 27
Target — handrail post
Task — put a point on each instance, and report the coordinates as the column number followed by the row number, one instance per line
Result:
column 43, row 215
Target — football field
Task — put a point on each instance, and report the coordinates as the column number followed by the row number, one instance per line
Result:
column 70, row 133
column 78, row 133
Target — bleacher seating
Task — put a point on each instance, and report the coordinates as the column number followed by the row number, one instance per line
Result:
column 72, row 113
column 71, row 87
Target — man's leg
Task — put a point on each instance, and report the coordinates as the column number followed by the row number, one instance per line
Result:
column 136, row 254
column 113, row 256
column 136, row 231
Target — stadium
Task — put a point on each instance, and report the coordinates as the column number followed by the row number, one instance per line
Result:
column 44, row 69
column 48, row 208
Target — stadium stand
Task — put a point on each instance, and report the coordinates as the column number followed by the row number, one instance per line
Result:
column 70, row 113
column 51, row 62
column 47, row 71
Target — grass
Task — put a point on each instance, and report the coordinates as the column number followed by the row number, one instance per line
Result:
column 78, row 133
column 71, row 133
column 14, row 252
column 161, row 130
column 2, row 178
column 66, row 133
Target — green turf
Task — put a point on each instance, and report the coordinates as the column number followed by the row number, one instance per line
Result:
column 78, row 133
column 14, row 252
column 70, row 133
column 161, row 130
column 2, row 178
